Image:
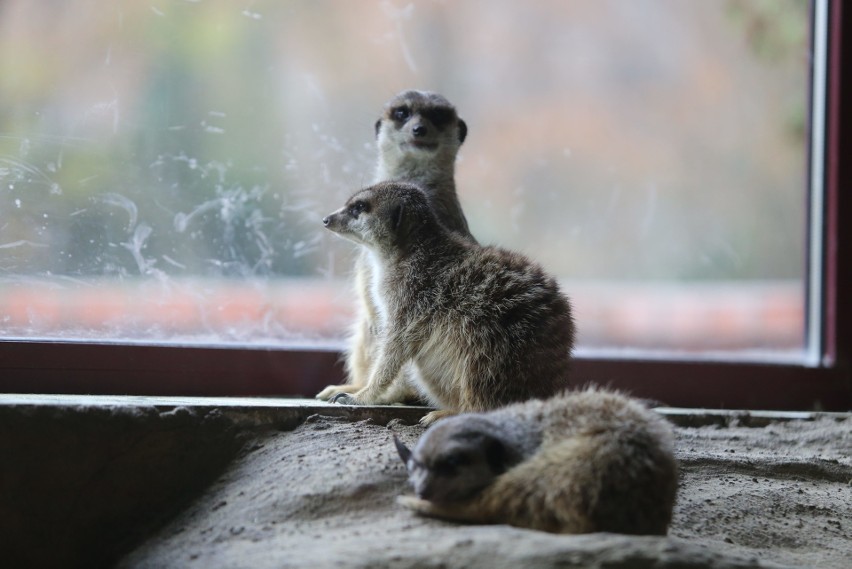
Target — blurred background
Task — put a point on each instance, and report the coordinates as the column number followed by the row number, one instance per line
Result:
column 164, row 165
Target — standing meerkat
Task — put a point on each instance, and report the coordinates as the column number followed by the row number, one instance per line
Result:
column 480, row 326
column 418, row 137
column 583, row 462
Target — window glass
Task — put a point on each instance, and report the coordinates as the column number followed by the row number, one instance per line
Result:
column 165, row 166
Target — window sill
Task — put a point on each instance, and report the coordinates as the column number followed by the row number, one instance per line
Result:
column 184, row 371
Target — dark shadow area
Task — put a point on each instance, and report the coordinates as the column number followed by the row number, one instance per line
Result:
column 82, row 486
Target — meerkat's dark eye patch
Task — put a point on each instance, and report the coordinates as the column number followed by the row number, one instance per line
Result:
column 358, row 208
column 498, row 457
column 449, row 465
column 439, row 116
column 400, row 114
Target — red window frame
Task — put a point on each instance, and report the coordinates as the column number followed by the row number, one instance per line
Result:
column 140, row 369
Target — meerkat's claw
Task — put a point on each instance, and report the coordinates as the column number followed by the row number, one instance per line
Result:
column 343, row 399
column 332, row 391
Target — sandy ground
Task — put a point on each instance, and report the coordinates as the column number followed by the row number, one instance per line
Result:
column 323, row 495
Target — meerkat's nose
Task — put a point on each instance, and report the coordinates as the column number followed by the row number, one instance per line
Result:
column 420, row 130
column 325, row 220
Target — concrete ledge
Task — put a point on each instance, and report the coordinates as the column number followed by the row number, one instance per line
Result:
column 246, row 412
column 284, row 411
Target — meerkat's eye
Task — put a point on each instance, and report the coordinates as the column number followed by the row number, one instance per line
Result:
column 358, row 208
column 449, row 464
column 401, row 114
column 439, row 116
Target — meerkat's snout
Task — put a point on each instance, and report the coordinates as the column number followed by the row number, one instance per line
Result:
column 333, row 222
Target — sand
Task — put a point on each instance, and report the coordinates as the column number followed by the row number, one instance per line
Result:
column 776, row 493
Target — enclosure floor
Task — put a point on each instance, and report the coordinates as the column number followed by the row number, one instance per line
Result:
column 323, row 495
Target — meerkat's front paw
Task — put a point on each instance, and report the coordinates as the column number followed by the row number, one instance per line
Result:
column 414, row 503
column 332, row 391
column 433, row 416
column 364, row 396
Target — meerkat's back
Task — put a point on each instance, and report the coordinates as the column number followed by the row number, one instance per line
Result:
column 500, row 329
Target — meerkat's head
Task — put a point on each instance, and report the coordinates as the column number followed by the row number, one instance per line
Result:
column 418, row 133
column 457, row 458
column 384, row 216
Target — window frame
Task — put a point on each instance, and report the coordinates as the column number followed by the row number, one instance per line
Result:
column 115, row 368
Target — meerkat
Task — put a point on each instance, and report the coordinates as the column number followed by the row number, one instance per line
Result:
column 589, row 461
column 418, row 137
column 481, row 326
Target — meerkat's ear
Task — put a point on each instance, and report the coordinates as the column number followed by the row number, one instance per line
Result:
column 378, row 127
column 404, row 451
column 397, row 217
column 462, row 131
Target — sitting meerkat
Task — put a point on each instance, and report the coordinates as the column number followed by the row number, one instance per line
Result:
column 583, row 462
column 418, row 137
column 482, row 326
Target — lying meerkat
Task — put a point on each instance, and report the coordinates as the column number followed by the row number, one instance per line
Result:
column 482, row 326
column 582, row 462
column 418, row 136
